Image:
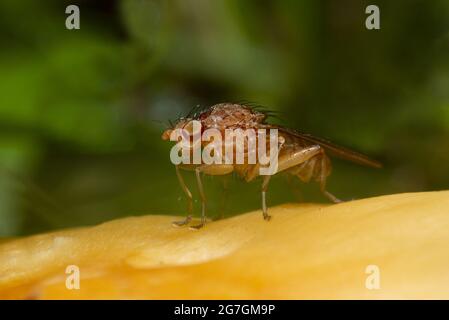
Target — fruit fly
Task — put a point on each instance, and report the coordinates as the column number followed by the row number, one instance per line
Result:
column 299, row 154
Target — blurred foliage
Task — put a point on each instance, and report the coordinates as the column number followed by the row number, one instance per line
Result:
column 81, row 111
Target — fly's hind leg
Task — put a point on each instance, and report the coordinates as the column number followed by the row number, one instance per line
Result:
column 324, row 172
column 189, row 201
column 331, row 197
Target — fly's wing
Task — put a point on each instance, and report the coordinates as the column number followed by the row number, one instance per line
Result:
column 333, row 149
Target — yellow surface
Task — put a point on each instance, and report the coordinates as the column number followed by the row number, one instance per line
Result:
column 304, row 252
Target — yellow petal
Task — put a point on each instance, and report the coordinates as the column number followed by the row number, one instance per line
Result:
column 394, row 246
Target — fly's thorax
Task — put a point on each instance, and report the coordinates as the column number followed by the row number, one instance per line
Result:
column 229, row 115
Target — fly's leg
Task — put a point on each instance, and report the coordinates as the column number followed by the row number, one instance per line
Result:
column 203, row 200
column 285, row 162
column 189, row 201
column 294, row 188
column 331, row 197
column 213, row 170
column 324, row 172
column 265, row 182
column 296, row 158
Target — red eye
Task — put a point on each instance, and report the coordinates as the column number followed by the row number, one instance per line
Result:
column 204, row 115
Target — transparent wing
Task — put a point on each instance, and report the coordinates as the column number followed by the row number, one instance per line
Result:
column 333, row 149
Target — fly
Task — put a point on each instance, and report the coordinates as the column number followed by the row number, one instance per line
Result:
column 299, row 154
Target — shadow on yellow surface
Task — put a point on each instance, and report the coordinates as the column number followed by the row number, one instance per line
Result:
column 306, row 251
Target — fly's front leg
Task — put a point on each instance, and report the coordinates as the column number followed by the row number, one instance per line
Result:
column 189, row 201
column 209, row 169
column 203, row 199
column 265, row 182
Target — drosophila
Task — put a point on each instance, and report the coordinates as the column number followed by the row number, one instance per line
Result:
column 298, row 154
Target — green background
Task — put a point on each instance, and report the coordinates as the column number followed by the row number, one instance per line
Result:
column 82, row 111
